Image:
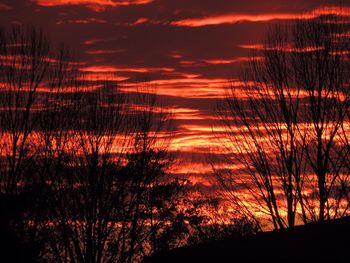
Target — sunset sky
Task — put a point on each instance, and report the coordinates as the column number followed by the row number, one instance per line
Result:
column 187, row 48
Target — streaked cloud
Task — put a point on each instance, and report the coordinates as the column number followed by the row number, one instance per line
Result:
column 230, row 61
column 233, row 18
column 82, row 21
column 96, row 5
column 144, row 20
column 104, row 51
column 285, row 48
column 104, row 76
column 90, row 42
column 100, row 69
column 196, row 88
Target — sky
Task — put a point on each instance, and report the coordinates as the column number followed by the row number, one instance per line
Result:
column 189, row 49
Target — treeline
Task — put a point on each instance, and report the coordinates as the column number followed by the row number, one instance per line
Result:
column 84, row 173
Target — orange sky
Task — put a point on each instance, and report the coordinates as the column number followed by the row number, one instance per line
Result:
column 188, row 49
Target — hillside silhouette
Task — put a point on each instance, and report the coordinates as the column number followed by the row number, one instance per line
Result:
column 314, row 242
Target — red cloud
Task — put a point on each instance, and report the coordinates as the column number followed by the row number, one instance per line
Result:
column 230, row 61
column 104, row 52
column 236, row 18
column 286, row 48
column 100, row 69
column 96, row 5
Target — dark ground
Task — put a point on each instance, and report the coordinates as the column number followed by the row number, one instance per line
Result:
column 316, row 242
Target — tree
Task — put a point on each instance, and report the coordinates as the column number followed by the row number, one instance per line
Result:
column 286, row 129
column 23, row 68
column 155, row 219
column 323, row 74
column 29, row 66
column 111, row 198
column 86, row 199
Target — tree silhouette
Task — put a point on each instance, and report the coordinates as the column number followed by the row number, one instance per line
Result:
column 23, row 67
column 28, row 62
column 288, row 128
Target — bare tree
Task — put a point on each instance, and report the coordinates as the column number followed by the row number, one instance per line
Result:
column 92, row 173
column 23, row 65
column 153, row 194
column 30, row 66
column 112, row 198
column 323, row 74
column 57, row 118
column 285, row 129
column 86, row 197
